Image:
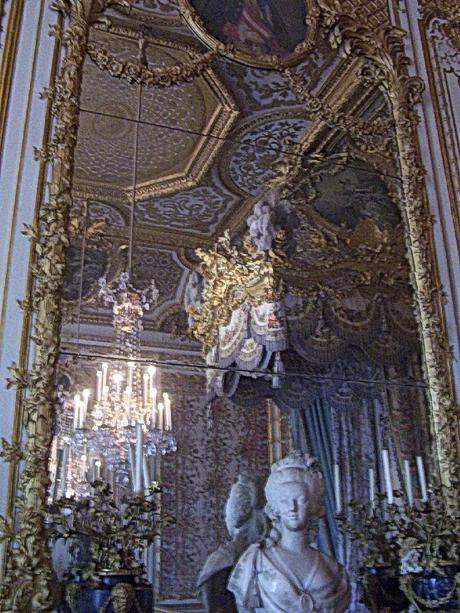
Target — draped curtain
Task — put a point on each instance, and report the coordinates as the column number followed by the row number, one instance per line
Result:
column 353, row 435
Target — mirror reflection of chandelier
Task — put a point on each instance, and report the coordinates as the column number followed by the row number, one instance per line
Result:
column 126, row 417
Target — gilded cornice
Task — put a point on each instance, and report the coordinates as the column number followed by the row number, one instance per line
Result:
column 210, row 97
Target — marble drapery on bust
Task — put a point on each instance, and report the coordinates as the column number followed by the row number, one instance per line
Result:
column 285, row 573
column 246, row 523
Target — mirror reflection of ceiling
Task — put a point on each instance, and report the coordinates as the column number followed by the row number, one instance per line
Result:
column 205, row 152
column 162, row 160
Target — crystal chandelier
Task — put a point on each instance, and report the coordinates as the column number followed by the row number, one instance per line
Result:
column 126, row 418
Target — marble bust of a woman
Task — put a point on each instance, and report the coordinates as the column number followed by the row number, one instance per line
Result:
column 285, row 573
column 246, row 523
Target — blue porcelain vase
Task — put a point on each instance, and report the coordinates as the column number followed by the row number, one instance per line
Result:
column 433, row 587
column 116, row 593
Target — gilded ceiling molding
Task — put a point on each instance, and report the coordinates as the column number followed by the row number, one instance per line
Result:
column 332, row 117
column 209, row 108
column 151, row 77
column 384, row 50
column 155, row 12
column 28, row 581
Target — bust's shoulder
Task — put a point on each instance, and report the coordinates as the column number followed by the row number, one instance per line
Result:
column 224, row 556
column 331, row 570
column 328, row 566
column 250, row 552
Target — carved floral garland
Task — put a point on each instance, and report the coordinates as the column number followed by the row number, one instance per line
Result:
column 151, row 77
column 28, row 580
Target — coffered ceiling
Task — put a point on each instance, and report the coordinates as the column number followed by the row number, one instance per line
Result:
column 201, row 157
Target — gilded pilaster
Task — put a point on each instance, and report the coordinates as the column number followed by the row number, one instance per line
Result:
column 27, row 585
column 387, row 67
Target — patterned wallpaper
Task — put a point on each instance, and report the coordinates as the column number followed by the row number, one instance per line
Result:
column 215, row 442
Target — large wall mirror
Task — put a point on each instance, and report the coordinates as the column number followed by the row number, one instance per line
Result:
column 238, row 283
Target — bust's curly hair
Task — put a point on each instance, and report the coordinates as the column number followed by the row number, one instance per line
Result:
column 300, row 468
column 244, row 509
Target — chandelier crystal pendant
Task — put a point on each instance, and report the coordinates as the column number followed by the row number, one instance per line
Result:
column 125, row 418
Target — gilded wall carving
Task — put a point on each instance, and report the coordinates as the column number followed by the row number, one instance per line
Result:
column 29, row 575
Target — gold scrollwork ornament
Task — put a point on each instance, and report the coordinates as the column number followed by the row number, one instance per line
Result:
column 387, row 66
column 28, row 580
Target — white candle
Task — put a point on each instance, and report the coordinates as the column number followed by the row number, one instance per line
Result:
column 76, row 411
column 132, row 465
column 387, row 476
column 154, row 393
column 408, row 483
column 146, row 473
column 422, row 478
column 160, row 415
column 105, row 367
column 138, row 462
column 337, row 489
column 168, row 416
column 86, row 395
column 81, row 414
column 151, row 372
column 97, row 469
column 372, row 490
column 167, row 410
column 99, row 385
column 146, row 388
column 130, row 374
column 105, row 392
column 65, row 462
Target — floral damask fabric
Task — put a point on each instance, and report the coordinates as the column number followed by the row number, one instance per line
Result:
column 216, row 441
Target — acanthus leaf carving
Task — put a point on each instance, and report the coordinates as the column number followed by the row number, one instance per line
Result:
column 384, row 50
column 28, row 579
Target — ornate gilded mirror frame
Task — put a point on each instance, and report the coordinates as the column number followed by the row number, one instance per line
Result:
column 28, row 582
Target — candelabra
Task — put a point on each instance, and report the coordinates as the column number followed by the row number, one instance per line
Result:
column 125, row 418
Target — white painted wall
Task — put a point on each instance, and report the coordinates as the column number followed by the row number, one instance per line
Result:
column 18, row 188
